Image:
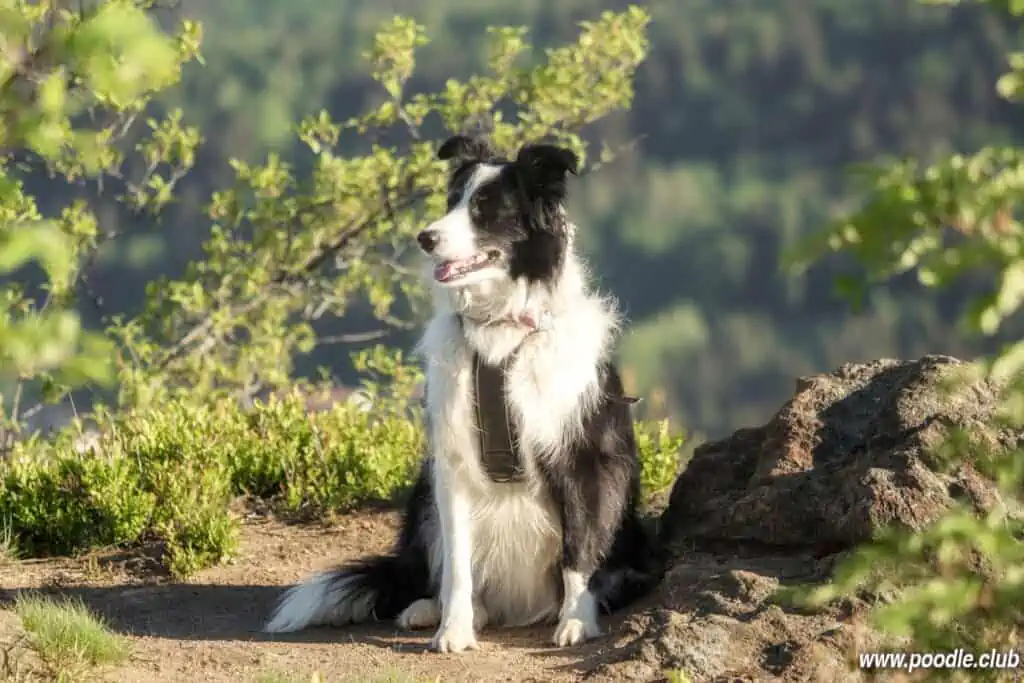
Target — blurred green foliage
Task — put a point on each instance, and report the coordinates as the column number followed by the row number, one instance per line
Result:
column 743, row 119
column 58, row 65
column 960, row 582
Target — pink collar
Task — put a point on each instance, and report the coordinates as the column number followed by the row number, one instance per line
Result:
column 523, row 319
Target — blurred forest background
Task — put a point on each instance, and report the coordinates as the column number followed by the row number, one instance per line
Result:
column 746, row 120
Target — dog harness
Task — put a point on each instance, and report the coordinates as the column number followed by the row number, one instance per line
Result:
column 497, row 436
column 499, row 442
column 500, row 453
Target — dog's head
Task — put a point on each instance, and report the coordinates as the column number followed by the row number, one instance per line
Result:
column 505, row 219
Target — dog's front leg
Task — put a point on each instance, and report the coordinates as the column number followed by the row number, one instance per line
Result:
column 589, row 519
column 577, row 620
column 456, row 631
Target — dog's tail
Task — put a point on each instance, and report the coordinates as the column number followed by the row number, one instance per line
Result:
column 374, row 588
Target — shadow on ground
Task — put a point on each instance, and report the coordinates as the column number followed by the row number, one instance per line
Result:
column 209, row 612
column 181, row 611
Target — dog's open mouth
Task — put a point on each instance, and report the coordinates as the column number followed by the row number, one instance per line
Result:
column 453, row 270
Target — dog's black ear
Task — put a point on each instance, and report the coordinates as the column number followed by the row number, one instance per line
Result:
column 544, row 170
column 549, row 161
column 465, row 148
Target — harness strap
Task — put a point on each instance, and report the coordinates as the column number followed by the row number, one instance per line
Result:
column 500, row 453
column 499, row 443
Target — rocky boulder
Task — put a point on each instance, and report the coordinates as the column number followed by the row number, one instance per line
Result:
column 849, row 454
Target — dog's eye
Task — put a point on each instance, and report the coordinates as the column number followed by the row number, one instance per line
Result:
column 484, row 201
column 476, row 207
column 454, row 197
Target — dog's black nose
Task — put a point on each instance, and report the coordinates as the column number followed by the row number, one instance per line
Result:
column 428, row 240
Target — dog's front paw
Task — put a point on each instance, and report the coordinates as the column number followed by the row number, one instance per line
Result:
column 574, row 630
column 455, row 636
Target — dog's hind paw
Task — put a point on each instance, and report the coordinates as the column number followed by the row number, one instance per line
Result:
column 425, row 613
column 573, row 631
column 455, row 636
column 479, row 617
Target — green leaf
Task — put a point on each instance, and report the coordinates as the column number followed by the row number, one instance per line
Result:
column 42, row 242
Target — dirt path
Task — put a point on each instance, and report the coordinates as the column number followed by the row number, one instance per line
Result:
column 208, row 628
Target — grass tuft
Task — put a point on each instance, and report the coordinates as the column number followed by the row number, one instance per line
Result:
column 67, row 637
column 659, row 448
column 8, row 546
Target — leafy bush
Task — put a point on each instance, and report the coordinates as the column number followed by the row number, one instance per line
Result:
column 659, row 451
column 172, row 473
column 293, row 241
column 107, row 56
column 63, row 502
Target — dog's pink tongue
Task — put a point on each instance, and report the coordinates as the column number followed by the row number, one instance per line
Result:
column 443, row 272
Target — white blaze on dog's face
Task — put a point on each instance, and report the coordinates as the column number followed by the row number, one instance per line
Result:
column 504, row 220
column 453, row 242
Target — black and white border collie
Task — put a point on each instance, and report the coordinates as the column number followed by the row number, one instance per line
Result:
column 564, row 541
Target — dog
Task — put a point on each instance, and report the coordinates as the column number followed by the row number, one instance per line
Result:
column 563, row 538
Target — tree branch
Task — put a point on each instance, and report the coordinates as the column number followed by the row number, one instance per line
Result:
column 201, row 331
column 354, row 338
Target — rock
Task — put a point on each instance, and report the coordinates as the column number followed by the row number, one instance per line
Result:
column 846, row 456
column 779, row 504
column 714, row 618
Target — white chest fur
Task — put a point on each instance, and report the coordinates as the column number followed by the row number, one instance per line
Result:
column 515, row 529
column 552, row 384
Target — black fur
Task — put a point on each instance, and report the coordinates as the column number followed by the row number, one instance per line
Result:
column 400, row 578
column 598, row 491
column 465, row 148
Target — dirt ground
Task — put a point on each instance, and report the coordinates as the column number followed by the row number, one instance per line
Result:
column 207, row 629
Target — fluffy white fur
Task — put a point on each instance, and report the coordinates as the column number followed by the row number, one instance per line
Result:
column 486, row 530
column 305, row 604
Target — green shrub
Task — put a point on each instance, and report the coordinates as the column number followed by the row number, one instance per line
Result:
column 659, row 451
column 64, row 503
column 191, row 515
column 173, row 474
